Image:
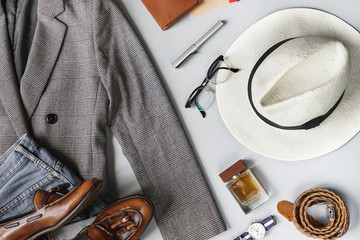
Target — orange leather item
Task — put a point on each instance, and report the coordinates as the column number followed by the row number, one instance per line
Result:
column 168, row 12
column 308, row 225
column 51, row 211
column 125, row 219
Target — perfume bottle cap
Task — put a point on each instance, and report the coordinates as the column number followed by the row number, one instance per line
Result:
column 234, row 169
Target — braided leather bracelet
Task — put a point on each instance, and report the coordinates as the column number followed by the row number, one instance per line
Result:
column 338, row 214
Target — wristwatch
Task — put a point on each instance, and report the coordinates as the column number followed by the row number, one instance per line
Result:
column 257, row 231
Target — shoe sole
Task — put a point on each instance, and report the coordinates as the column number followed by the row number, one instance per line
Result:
column 84, row 203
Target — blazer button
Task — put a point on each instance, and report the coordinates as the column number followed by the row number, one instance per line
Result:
column 51, row 118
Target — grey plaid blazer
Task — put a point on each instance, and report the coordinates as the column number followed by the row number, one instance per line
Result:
column 87, row 66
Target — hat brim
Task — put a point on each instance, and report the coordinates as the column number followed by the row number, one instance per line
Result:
column 291, row 145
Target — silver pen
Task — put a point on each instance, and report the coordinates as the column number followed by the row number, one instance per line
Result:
column 194, row 47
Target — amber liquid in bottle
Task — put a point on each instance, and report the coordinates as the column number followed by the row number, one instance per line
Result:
column 244, row 187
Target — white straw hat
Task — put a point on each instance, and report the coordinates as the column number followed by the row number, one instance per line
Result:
column 297, row 94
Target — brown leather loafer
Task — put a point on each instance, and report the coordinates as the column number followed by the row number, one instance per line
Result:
column 125, row 219
column 51, row 211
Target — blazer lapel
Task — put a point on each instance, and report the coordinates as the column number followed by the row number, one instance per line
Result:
column 47, row 42
column 9, row 87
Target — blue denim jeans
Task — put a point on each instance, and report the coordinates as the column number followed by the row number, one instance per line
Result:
column 26, row 167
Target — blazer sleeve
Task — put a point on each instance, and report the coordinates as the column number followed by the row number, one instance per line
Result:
column 144, row 122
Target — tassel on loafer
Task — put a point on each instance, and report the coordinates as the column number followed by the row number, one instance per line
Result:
column 125, row 219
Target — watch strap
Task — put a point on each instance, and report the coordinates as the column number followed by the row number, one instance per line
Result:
column 269, row 222
column 244, row 236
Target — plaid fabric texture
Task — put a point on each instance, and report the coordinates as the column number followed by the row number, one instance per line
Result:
column 88, row 67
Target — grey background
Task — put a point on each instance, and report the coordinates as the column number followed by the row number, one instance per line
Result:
column 215, row 147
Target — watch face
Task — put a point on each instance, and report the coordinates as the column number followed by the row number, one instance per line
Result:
column 257, row 231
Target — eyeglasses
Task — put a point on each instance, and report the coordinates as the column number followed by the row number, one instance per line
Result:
column 201, row 100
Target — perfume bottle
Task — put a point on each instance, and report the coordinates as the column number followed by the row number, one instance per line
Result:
column 244, row 186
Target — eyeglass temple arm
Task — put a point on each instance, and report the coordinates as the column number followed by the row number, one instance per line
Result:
column 231, row 69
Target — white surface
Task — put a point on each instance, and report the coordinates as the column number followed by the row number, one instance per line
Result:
column 215, row 147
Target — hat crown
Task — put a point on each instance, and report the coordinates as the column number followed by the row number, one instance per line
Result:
column 300, row 80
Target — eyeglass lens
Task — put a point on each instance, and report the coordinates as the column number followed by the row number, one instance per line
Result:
column 223, row 72
column 204, row 99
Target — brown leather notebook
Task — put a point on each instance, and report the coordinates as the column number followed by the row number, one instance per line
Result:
column 168, row 12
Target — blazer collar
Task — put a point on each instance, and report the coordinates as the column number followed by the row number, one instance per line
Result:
column 21, row 101
column 46, row 46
